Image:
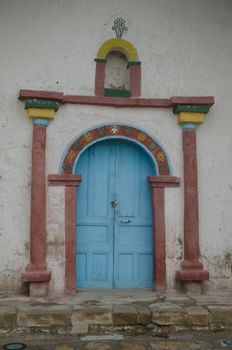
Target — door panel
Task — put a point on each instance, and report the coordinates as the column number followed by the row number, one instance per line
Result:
column 94, row 219
column 133, row 224
column 114, row 244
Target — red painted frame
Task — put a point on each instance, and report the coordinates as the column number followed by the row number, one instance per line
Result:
column 135, row 78
column 71, row 183
column 157, row 183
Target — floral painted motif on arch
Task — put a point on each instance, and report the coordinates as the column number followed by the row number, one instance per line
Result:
column 108, row 131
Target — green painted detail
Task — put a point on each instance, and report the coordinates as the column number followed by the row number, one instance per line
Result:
column 99, row 60
column 37, row 103
column 191, row 108
column 119, row 27
column 117, row 93
column 134, row 62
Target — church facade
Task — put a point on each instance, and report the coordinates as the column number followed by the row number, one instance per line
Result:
column 116, row 153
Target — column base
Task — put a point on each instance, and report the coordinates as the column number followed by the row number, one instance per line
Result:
column 192, row 275
column 160, row 288
column 192, row 288
column 38, row 289
column 36, row 273
column 36, row 276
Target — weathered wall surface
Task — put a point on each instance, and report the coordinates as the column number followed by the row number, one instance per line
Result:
column 185, row 49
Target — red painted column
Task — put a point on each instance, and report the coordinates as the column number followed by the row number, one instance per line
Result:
column 135, row 79
column 159, row 249
column 158, row 183
column 191, row 267
column 191, row 220
column 190, row 113
column 36, row 270
column 71, row 183
column 70, row 239
column 99, row 78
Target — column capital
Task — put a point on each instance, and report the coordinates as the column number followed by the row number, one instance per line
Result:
column 41, row 110
column 163, row 181
column 190, row 115
column 64, row 180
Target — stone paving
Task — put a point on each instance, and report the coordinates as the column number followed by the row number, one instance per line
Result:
column 123, row 314
column 179, row 341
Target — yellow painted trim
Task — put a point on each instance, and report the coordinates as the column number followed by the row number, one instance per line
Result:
column 47, row 113
column 188, row 117
column 118, row 44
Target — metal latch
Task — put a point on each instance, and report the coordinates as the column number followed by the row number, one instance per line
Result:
column 114, row 203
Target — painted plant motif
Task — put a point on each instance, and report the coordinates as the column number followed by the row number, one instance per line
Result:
column 119, row 27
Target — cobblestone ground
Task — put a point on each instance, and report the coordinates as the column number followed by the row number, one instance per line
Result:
column 184, row 341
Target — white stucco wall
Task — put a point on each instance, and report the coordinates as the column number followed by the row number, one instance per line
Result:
column 185, row 49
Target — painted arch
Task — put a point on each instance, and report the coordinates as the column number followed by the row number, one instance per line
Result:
column 118, row 44
column 116, row 131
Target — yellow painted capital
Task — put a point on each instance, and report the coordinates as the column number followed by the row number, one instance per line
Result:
column 190, row 117
column 47, row 113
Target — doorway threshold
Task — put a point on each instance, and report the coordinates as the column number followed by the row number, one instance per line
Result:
column 115, row 296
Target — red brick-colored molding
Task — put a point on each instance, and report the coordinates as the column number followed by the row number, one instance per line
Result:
column 45, row 95
column 116, row 101
column 64, row 180
column 71, row 182
column 164, row 181
column 191, row 100
column 158, row 183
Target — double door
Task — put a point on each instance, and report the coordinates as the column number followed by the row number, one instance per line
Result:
column 114, row 225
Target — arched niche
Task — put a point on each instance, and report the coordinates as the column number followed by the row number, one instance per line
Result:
column 112, row 54
column 117, row 78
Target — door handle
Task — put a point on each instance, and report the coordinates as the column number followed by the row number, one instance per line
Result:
column 126, row 219
column 114, row 203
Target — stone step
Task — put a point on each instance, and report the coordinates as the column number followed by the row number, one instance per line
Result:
column 156, row 319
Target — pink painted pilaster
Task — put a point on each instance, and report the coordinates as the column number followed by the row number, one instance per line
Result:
column 36, row 270
column 99, row 78
column 191, row 267
column 158, row 183
column 159, row 250
column 135, row 80
column 71, row 183
column 70, row 239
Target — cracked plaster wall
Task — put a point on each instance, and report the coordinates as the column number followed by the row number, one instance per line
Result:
column 185, row 49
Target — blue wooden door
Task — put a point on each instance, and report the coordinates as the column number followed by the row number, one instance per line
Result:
column 114, row 223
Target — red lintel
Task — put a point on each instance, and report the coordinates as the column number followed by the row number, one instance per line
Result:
column 45, row 95
column 191, row 100
column 64, row 180
column 163, row 181
column 118, row 102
